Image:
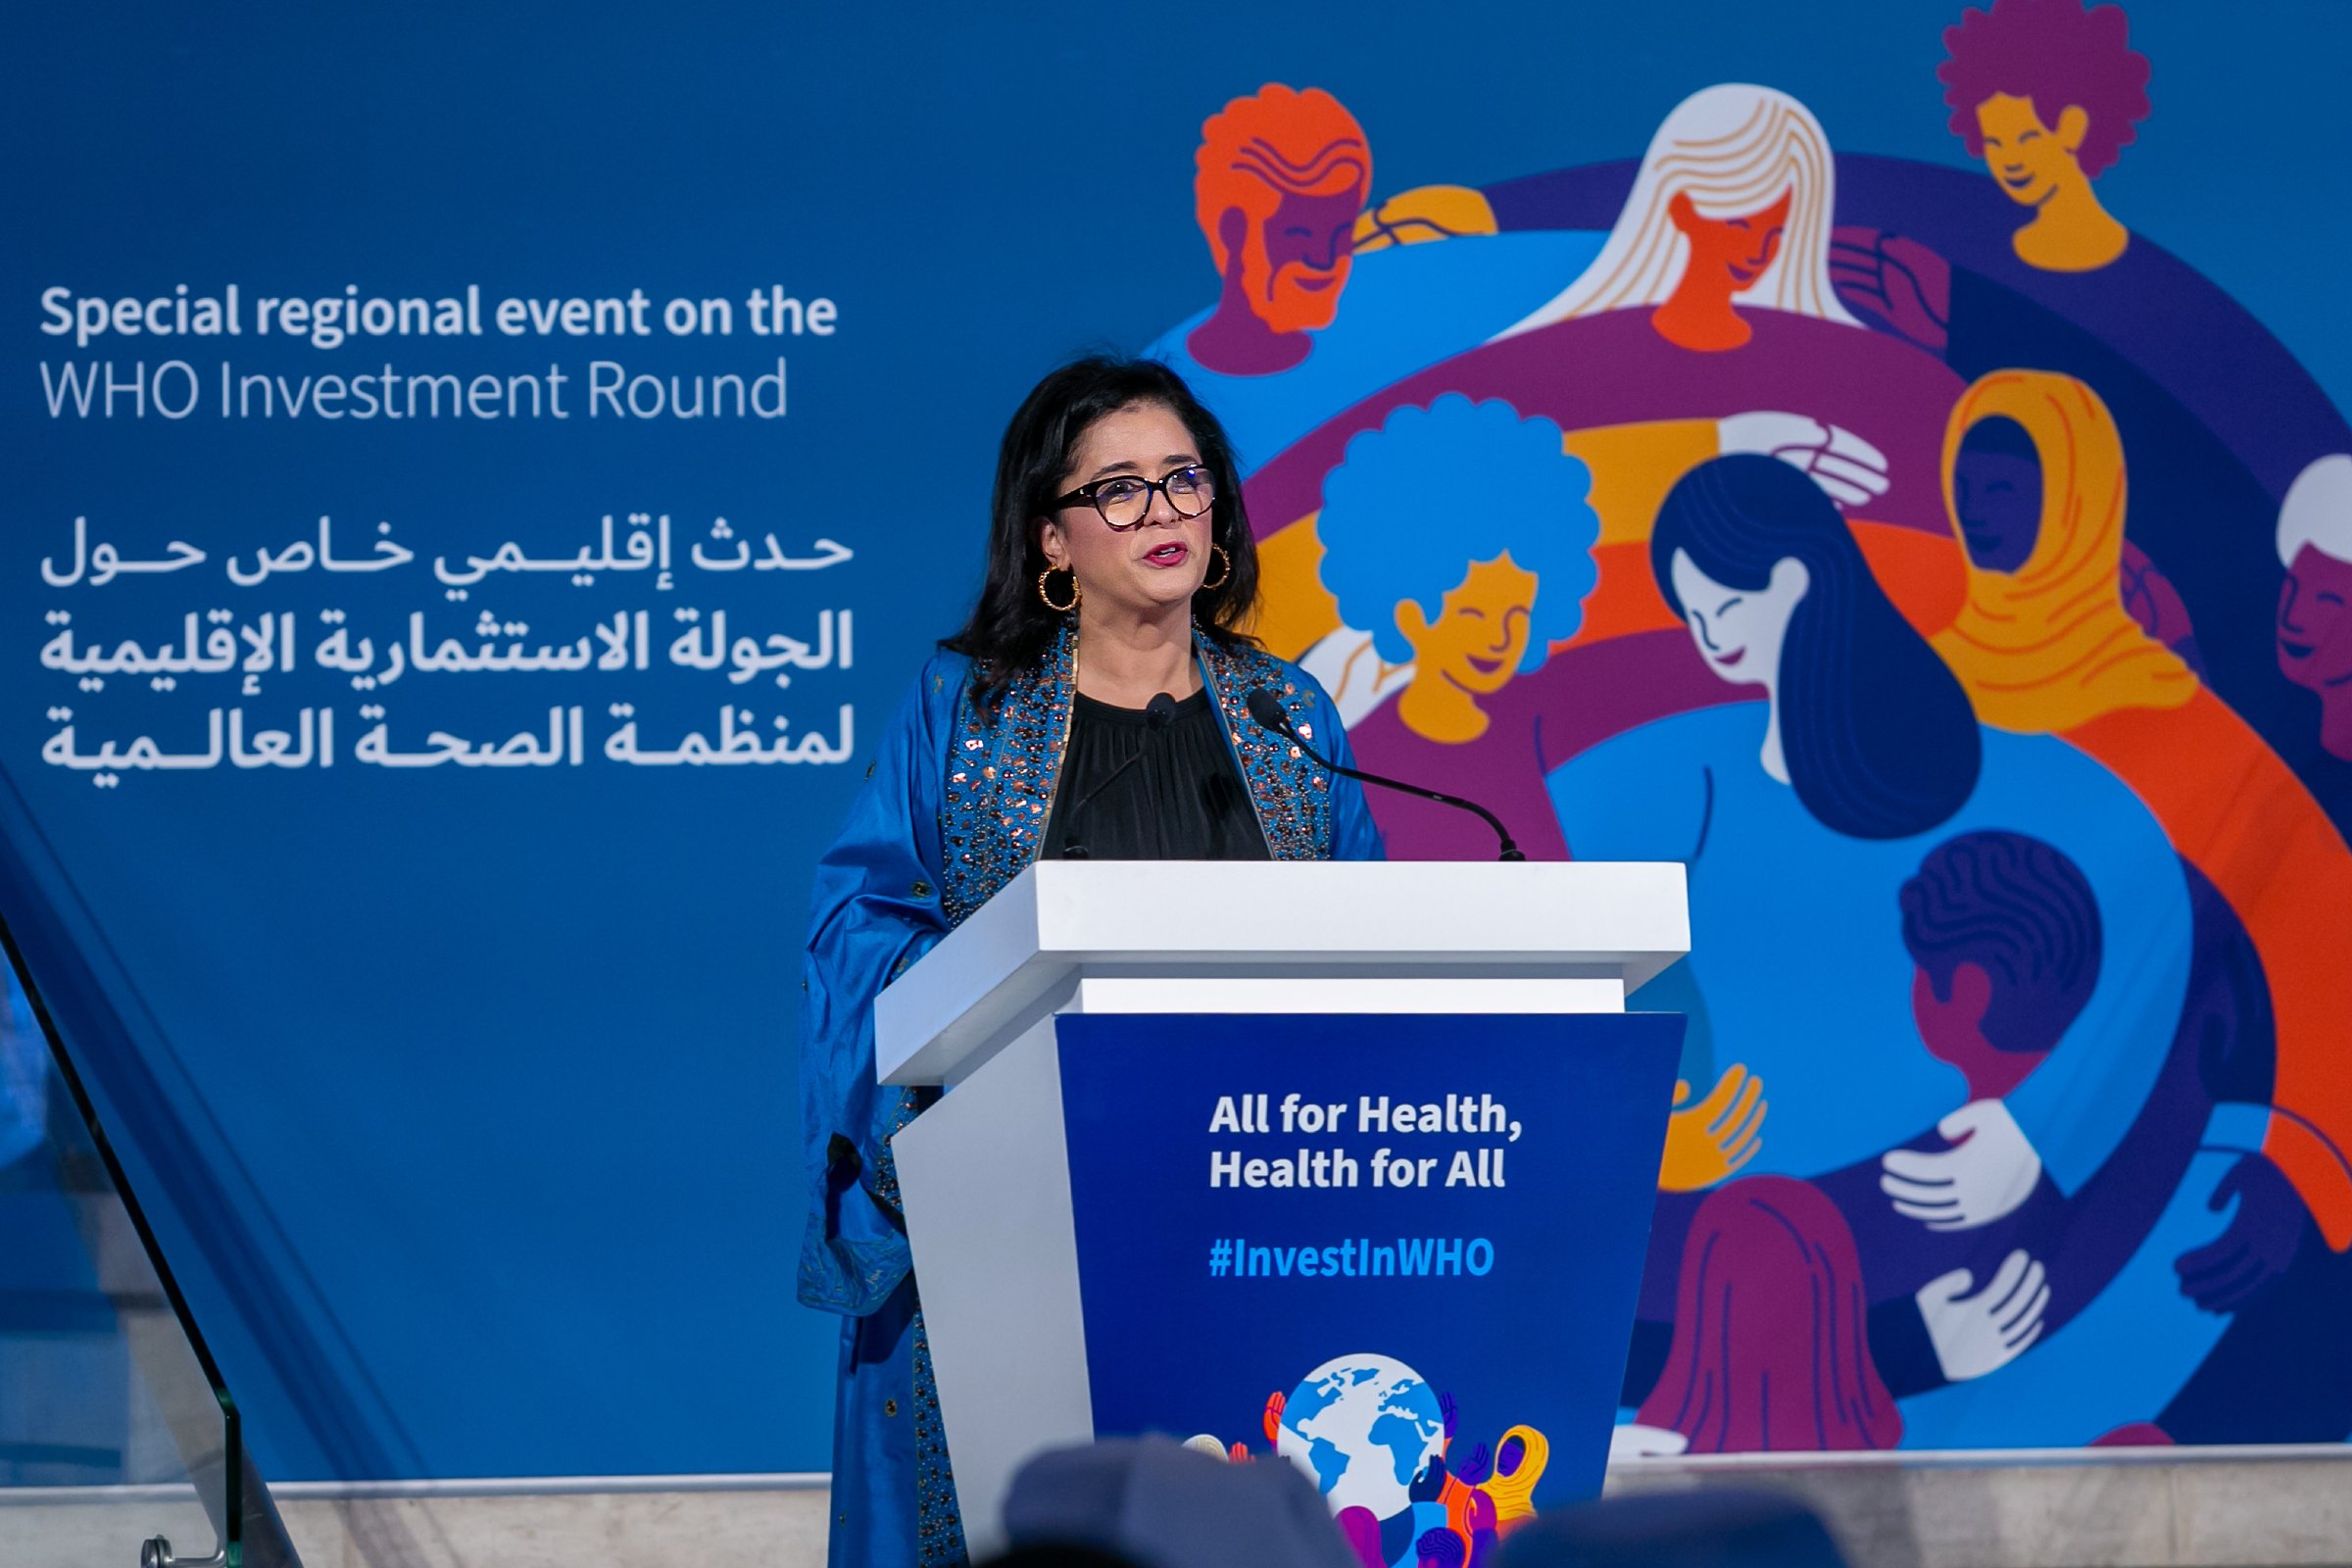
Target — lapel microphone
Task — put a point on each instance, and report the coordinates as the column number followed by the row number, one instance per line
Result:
column 1267, row 709
column 1158, row 713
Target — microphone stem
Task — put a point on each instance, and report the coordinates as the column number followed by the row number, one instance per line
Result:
column 1508, row 849
column 1072, row 848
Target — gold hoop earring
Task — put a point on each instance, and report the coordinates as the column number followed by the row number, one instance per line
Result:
column 1047, row 599
column 1223, row 578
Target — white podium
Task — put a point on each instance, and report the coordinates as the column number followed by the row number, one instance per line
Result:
column 984, row 1173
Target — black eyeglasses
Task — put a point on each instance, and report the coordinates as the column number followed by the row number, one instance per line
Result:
column 1125, row 500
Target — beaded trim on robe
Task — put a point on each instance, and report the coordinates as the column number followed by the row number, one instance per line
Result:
column 1001, row 778
column 937, row 1513
column 1002, row 775
column 1293, row 793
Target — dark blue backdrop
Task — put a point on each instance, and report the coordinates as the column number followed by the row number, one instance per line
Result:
column 465, row 1097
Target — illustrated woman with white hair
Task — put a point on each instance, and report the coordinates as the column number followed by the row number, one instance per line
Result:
column 1733, row 202
column 2315, row 605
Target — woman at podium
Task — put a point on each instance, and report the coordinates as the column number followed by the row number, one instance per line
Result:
column 1095, row 704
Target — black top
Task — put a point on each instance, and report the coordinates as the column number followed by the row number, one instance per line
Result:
column 1187, row 803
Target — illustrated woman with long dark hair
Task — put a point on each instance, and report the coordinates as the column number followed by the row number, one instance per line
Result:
column 1800, row 815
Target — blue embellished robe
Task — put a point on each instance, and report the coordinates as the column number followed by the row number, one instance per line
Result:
column 953, row 807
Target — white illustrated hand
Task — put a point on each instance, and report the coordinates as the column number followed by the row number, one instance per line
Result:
column 1990, row 1170
column 1974, row 1335
column 1852, row 470
column 1633, row 1440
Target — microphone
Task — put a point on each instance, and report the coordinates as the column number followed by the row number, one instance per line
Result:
column 1267, row 709
column 1158, row 713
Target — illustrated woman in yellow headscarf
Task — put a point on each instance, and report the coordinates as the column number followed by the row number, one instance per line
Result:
column 1519, row 1461
column 1497, row 1495
column 2034, row 484
column 2034, row 478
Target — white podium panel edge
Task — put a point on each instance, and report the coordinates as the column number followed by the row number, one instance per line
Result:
column 1022, row 954
column 1378, row 993
column 985, row 1179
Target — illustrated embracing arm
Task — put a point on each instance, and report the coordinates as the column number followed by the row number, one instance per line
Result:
column 1951, row 1329
column 874, row 911
column 2076, row 1107
column 1634, row 466
column 1710, row 1141
column 2069, row 1115
column 2207, row 775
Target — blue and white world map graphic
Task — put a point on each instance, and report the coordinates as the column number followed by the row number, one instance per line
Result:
column 1362, row 1427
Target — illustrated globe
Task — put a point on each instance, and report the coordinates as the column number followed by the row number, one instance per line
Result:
column 1362, row 1427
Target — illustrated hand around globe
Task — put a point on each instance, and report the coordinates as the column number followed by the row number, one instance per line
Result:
column 1362, row 1427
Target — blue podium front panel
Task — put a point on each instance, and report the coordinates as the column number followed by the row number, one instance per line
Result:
column 1361, row 1244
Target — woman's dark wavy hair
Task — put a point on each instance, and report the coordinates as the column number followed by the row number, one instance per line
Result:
column 1877, row 732
column 1010, row 629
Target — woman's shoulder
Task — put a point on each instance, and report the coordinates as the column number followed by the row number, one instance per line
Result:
column 945, row 668
column 1243, row 662
column 1247, row 666
column 941, row 680
column 926, row 704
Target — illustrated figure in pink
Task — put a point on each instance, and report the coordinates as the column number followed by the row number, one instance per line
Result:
column 1279, row 179
column 2046, row 93
column 2315, row 602
column 1361, row 1531
column 1770, row 1334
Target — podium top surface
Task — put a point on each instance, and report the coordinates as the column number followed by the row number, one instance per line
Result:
column 1627, row 919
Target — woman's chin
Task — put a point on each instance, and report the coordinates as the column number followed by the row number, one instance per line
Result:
column 1161, row 596
column 1175, row 596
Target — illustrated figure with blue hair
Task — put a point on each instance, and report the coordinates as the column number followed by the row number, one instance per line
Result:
column 1461, row 535
column 1457, row 538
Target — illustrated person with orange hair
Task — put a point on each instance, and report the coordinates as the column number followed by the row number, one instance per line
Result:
column 2046, row 93
column 1324, row 297
column 1281, row 178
